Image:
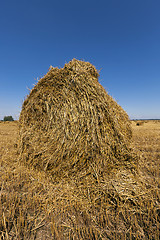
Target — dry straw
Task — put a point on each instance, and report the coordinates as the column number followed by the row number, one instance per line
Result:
column 69, row 125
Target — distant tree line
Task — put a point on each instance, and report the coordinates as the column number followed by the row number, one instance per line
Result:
column 8, row 118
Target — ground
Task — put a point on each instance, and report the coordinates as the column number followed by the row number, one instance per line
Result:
column 33, row 207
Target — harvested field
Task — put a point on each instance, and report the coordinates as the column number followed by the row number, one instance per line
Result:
column 33, row 207
column 70, row 168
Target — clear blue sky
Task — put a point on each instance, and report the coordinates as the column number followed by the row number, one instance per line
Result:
column 120, row 37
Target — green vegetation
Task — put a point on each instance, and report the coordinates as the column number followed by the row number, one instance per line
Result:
column 8, row 118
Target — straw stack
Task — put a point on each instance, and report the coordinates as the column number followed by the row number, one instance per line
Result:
column 69, row 125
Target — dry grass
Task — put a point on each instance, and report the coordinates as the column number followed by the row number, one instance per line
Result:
column 32, row 206
column 69, row 125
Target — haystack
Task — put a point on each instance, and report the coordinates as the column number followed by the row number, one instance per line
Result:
column 70, row 125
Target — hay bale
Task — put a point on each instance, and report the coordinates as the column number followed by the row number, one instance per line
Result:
column 140, row 123
column 69, row 124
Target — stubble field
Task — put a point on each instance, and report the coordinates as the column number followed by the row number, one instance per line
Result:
column 33, row 207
